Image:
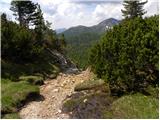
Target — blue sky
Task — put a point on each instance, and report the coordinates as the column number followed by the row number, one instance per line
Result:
column 68, row 13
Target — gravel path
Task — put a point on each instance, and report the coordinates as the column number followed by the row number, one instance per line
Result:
column 54, row 92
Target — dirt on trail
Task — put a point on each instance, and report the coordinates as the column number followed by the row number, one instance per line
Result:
column 54, row 92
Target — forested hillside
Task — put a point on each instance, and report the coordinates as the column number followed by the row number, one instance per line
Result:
column 79, row 40
column 25, row 62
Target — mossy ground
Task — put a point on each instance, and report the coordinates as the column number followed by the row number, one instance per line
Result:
column 13, row 93
column 136, row 106
column 90, row 84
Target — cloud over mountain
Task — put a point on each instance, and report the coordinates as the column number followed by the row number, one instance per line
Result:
column 67, row 13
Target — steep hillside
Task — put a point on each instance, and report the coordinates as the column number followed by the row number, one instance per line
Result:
column 79, row 39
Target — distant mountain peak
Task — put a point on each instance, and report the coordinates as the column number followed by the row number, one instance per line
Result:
column 109, row 22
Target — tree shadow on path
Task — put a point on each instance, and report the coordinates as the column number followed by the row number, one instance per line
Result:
column 31, row 97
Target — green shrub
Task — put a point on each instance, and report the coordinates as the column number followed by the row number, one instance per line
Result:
column 23, row 45
column 127, row 56
column 135, row 106
column 13, row 93
column 18, row 43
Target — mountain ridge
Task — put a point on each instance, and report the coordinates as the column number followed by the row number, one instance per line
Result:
column 101, row 26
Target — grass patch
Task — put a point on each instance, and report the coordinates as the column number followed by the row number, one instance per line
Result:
column 71, row 104
column 13, row 93
column 35, row 80
column 11, row 116
column 90, row 84
column 135, row 106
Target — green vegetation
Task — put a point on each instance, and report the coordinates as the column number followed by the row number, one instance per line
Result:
column 125, row 62
column 133, row 8
column 35, row 80
column 127, row 59
column 104, row 106
column 24, row 11
column 70, row 105
column 90, row 84
column 26, row 63
column 79, row 54
column 79, row 40
column 127, row 56
column 78, row 48
column 11, row 116
column 13, row 93
column 44, row 69
column 152, row 91
column 135, row 106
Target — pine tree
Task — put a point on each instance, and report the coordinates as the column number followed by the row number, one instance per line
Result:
column 24, row 10
column 48, row 24
column 3, row 17
column 39, row 23
column 133, row 8
column 62, row 41
column 49, row 36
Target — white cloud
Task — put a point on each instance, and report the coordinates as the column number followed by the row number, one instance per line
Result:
column 109, row 10
column 152, row 7
column 90, row 12
column 68, row 13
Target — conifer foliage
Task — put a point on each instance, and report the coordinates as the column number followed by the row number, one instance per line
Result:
column 62, row 41
column 133, row 8
column 127, row 56
column 24, row 10
column 39, row 24
column 22, row 43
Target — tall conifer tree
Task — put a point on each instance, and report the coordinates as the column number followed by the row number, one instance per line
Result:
column 24, row 10
column 133, row 8
column 39, row 23
column 62, row 41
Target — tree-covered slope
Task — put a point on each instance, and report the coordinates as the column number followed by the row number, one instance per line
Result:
column 79, row 39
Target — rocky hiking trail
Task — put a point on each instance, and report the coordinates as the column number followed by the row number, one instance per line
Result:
column 54, row 92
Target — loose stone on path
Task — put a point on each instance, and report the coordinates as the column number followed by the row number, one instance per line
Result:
column 54, row 91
